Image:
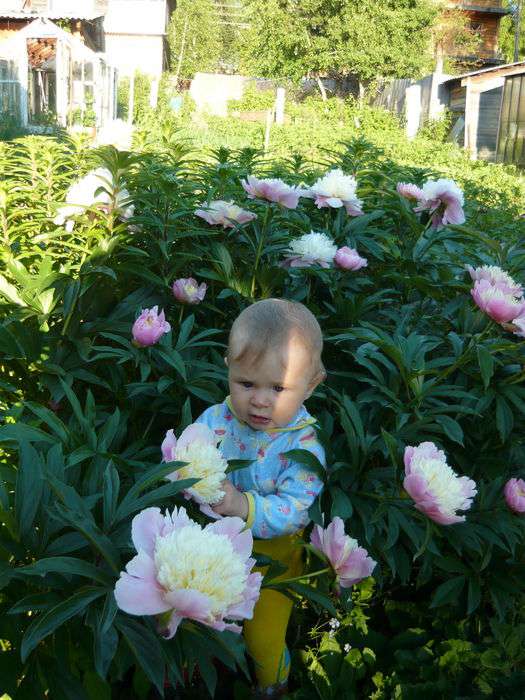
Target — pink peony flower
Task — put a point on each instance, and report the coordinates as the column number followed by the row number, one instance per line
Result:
column 335, row 189
column 497, row 278
column 410, row 191
column 184, row 571
column 496, row 302
column 349, row 259
column 515, row 495
column 436, row 489
column 149, row 327
column 188, row 291
column 272, row 190
column 350, row 562
column 444, row 201
column 227, row 214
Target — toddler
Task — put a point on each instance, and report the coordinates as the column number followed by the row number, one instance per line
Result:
column 274, row 364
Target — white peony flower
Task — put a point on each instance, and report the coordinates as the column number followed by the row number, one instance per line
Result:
column 335, row 189
column 311, row 249
column 197, row 447
column 83, row 194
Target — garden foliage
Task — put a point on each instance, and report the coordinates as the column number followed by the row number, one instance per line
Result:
column 409, row 356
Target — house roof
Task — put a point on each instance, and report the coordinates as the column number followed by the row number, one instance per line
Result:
column 49, row 15
column 491, row 69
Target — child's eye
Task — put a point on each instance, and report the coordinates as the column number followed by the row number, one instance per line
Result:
column 278, row 388
column 246, row 385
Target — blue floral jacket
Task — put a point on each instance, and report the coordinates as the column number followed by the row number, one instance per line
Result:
column 279, row 491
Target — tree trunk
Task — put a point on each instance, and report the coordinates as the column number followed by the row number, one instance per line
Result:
column 181, row 52
column 321, row 87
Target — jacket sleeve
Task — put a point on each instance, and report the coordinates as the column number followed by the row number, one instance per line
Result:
column 297, row 487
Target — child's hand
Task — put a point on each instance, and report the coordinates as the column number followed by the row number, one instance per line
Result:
column 233, row 503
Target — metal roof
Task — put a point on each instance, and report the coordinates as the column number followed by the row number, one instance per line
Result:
column 485, row 70
column 48, row 15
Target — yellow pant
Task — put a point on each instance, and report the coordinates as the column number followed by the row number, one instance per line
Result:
column 265, row 633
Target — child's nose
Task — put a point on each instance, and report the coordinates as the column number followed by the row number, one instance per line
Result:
column 261, row 399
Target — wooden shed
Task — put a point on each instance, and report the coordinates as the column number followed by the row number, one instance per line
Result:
column 475, row 100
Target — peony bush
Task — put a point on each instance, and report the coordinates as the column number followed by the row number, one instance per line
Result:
column 112, row 335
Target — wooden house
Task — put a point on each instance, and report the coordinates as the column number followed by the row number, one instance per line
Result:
column 484, row 17
column 489, row 111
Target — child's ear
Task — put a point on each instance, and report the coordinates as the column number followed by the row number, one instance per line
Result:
column 316, row 380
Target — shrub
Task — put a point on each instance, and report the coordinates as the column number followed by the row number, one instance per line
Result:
column 410, row 359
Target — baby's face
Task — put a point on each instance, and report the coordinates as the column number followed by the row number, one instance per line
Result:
column 268, row 393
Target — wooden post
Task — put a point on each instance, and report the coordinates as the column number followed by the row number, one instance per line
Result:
column 279, row 105
column 131, row 102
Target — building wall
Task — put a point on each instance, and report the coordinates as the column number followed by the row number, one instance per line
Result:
column 130, row 53
column 489, row 31
column 135, row 35
column 136, row 17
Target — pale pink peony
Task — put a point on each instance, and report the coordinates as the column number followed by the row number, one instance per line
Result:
column 224, row 213
column 410, row 191
column 444, row 201
column 497, row 278
column 496, row 303
column 349, row 259
column 272, row 190
column 515, row 495
column 350, row 562
column 149, row 327
column 184, row 571
column 188, row 291
column 335, row 189
column 197, row 446
column 436, row 489
column 519, row 326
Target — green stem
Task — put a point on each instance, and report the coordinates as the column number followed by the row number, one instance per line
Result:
column 181, row 314
column 300, row 578
column 259, row 248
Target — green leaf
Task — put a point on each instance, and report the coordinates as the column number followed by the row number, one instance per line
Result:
column 146, row 648
column 341, row 504
column 236, row 464
column 308, row 459
column 110, row 492
column 474, row 595
column 67, row 566
column 49, row 621
column 18, row 432
column 174, row 360
column 448, row 591
column 504, row 418
column 451, row 427
column 29, row 487
column 486, row 365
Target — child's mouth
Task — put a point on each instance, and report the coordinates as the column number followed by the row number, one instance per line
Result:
column 260, row 420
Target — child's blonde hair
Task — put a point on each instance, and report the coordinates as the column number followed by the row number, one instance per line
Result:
column 271, row 323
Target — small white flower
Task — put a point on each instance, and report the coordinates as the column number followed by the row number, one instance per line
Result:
column 347, row 648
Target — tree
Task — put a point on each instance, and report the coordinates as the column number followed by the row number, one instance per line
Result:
column 512, row 37
column 194, row 37
column 369, row 38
